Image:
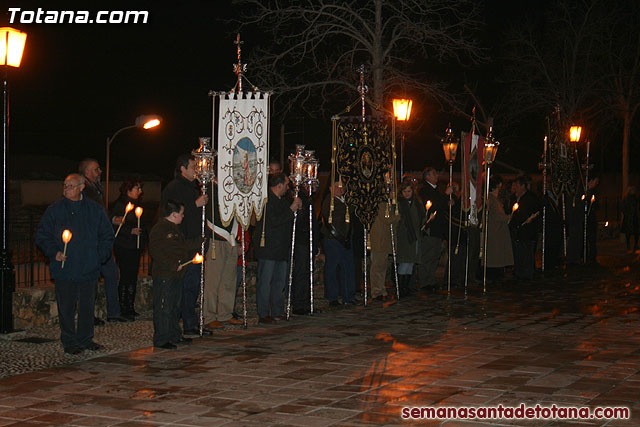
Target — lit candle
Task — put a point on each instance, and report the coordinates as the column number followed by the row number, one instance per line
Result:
column 593, row 198
column 197, row 259
column 515, row 207
column 66, row 237
column 138, row 213
column 428, row 206
column 127, row 209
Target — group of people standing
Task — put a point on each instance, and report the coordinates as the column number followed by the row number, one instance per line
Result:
column 416, row 230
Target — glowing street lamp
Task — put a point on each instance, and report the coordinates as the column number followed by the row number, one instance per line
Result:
column 147, row 121
column 574, row 133
column 12, row 44
column 402, row 111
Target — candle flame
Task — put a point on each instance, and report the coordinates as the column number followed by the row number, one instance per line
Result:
column 128, row 208
column 582, row 198
column 197, row 259
column 428, row 204
column 606, row 224
column 515, row 207
column 593, row 198
column 138, row 211
column 66, row 236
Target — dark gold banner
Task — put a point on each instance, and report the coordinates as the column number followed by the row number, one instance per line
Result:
column 363, row 157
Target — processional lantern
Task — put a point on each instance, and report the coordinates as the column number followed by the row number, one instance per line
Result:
column 449, row 146
column 311, row 166
column 490, row 148
column 296, row 166
column 204, row 157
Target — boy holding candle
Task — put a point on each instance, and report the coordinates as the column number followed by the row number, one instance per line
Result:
column 169, row 249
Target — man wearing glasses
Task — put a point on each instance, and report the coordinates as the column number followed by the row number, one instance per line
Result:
column 75, row 265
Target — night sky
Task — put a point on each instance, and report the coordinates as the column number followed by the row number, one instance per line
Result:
column 79, row 83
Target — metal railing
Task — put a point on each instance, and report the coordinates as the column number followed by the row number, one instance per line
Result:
column 32, row 267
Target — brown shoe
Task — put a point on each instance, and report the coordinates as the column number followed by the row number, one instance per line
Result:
column 215, row 325
column 267, row 319
column 233, row 321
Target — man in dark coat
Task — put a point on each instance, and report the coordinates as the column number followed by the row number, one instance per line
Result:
column 90, row 169
column 185, row 189
column 524, row 230
column 273, row 256
column 75, row 266
column 438, row 230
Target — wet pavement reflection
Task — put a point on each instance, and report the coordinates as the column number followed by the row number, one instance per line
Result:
column 569, row 338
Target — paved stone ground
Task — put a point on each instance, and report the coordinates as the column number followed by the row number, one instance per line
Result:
column 570, row 339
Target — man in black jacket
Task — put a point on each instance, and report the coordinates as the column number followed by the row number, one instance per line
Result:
column 90, row 169
column 524, row 229
column 273, row 256
column 185, row 189
column 438, row 230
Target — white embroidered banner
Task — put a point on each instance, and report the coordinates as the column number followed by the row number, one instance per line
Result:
column 243, row 150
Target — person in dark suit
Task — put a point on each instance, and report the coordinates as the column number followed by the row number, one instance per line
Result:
column 524, row 229
column 438, row 230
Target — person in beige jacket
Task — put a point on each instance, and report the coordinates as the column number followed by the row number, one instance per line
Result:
column 380, row 249
column 499, row 250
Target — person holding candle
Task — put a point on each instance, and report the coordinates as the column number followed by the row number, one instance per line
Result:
column 499, row 251
column 129, row 244
column 438, row 230
column 524, row 229
column 170, row 249
column 412, row 214
column 88, row 248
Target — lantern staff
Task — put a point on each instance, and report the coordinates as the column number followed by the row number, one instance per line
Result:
column 450, row 148
column 297, row 173
column 205, row 173
column 490, row 151
column 311, row 166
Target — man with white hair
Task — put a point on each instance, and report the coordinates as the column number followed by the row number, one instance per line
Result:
column 75, row 265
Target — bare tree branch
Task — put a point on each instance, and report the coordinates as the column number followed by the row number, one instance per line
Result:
column 312, row 47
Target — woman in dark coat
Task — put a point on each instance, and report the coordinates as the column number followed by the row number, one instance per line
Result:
column 411, row 218
column 126, row 248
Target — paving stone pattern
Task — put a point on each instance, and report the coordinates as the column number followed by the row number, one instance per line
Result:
column 570, row 338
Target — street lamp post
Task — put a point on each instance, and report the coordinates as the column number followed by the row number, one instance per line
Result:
column 490, row 151
column 402, row 111
column 11, row 47
column 142, row 122
column 450, row 148
column 574, row 136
